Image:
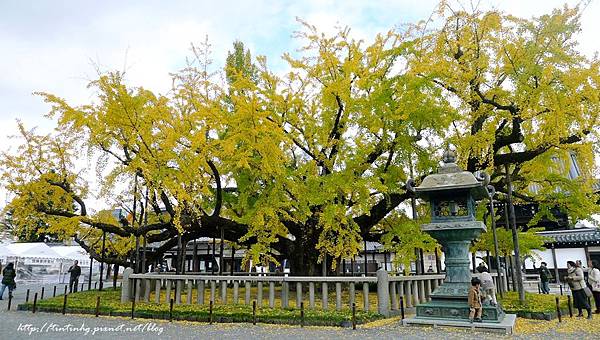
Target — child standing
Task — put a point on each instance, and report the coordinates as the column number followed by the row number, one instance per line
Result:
column 475, row 300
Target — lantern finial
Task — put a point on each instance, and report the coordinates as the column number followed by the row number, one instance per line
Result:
column 449, row 155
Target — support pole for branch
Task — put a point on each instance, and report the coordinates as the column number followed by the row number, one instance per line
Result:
column 90, row 276
column 515, row 235
column 491, row 192
column 102, row 259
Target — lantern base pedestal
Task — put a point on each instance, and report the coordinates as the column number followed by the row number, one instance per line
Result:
column 456, row 310
column 506, row 325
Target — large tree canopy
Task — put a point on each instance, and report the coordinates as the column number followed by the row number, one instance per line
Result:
column 526, row 97
column 309, row 162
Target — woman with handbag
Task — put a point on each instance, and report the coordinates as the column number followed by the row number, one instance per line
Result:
column 594, row 282
column 576, row 281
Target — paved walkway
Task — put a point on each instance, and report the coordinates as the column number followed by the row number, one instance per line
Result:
column 25, row 325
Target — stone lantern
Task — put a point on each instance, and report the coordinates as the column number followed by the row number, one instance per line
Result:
column 452, row 194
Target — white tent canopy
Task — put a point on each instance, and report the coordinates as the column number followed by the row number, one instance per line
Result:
column 5, row 252
column 71, row 252
column 33, row 250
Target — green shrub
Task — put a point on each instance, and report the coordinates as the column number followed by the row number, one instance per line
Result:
column 110, row 304
column 534, row 303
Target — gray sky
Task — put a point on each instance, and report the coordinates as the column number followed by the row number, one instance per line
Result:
column 52, row 46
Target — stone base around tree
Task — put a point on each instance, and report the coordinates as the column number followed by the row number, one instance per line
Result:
column 505, row 325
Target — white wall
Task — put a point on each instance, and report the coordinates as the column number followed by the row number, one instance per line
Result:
column 562, row 256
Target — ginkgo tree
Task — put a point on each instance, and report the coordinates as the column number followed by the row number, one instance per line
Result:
column 308, row 162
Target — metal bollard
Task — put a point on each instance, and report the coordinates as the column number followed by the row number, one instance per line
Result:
column 561, row 292
column 97, row 305
column 132, row 307
column 64, row 309
column 27, row 296
column 570, row 307
column 171, row 310
column 353, row 315
column 254, row 312
column 95, row 283
column 34, row 302
column 210, row 312
column 82, row 287
column 54, row 292
column 42, row 296
column 558, row 310
column 9, row 301
column 65, row 293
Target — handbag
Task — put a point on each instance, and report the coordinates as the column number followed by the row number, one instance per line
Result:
column 587, row 291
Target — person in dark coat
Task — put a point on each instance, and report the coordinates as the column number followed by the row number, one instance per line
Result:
column 545, row 277
column 75, row 271
column 577, row 284
column 8, row 280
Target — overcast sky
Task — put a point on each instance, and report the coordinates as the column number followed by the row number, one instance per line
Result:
column 52, row 46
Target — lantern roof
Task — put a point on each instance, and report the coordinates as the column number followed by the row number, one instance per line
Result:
column 450, row 177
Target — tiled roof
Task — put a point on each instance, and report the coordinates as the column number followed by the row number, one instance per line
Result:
column 579, row 235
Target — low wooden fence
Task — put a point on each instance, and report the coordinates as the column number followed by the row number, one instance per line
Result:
column 391, row 290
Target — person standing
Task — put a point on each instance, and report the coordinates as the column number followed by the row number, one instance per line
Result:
column 8, row 280
column 577, row 284
column 594, row 282
column 475, row 307
column 545, row 277
column 488, row 288
column 75, row 272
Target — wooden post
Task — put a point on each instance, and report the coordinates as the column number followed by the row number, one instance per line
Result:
column 301, row 314
column 97, row 305
column 352, row 293
column 171, row 310
column 558, row 313
column 64, row 307
column 34, row 302
column 402, row 306
column 254, row 312
column 354, row 316
column 210, row 311
column 42, row 296
column 27, row 296
column 54, row 292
